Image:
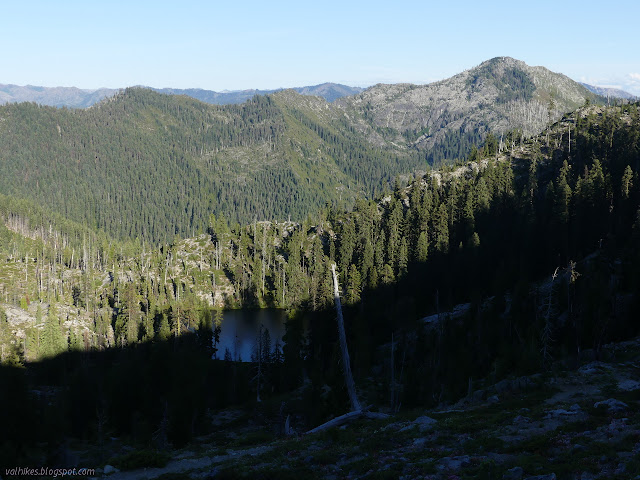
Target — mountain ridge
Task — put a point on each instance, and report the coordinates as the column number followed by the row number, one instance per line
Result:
column 165, row 162
column 500, row 94
column 327, row 90
column 74, row 97
column 610, row 92
column 183, row 159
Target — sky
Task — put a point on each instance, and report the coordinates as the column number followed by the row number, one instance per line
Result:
column 234, row 45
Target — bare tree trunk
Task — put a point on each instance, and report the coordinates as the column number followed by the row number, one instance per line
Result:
column 283, row 283
column 348, row 417
column 357, row 411
column 393, row 377
column 346, row 363
column 260, row 346
column 547, row 331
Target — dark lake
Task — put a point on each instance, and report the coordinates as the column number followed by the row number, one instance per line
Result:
column 240, row 329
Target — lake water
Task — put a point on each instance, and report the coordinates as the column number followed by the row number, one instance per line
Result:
column 240, row 330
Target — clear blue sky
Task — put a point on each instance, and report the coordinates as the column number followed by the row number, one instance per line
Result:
column 232, row 45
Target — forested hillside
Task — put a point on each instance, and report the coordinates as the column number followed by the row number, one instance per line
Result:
column 535, row 236
column 495, row 268
column 155, row 166
column 151, row 166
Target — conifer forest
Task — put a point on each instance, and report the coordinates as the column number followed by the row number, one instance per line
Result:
column 129, row 230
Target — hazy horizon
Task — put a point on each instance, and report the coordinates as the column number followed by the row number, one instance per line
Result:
column 264, row 46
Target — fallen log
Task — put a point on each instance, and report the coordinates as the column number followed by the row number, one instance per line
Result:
column 347, row 418
column 356, row 409
column 346, row 363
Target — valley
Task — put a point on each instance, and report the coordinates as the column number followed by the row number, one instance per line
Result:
column 166, row 162
column 484, row 229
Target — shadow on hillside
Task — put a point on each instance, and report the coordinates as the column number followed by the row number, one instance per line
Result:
column 515, row 321
column 154, row 394
column 160, row 394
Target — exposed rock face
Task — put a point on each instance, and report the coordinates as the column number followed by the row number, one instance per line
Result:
column 498, row 95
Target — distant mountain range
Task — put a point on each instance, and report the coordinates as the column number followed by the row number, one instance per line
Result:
column 610, row 92
column 73, row 97
column 328, row 91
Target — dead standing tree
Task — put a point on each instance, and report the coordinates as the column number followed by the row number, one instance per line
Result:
column 546, row 336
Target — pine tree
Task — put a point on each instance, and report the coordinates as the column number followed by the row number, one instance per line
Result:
column 475, row 240
column 422, row 249
column 32, row 344
column 403, row 258
column 379, row 251
column 532, row 180
column 367, row 261
column 424, row 214
column 52, row 340
column 353, row 285
column 483, row 195
column 75, row 341
column 490, row 145
column 468, row 217
column 347, row 244
column 266, row 347
column 562, row 194
column 441, row 229
column 394, row 231
column 387, row 274
column 164, row 330
column 217, row 329
column 627, row 182
column 5, row 336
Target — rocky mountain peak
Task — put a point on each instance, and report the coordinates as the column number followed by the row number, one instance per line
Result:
column 498, row 95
